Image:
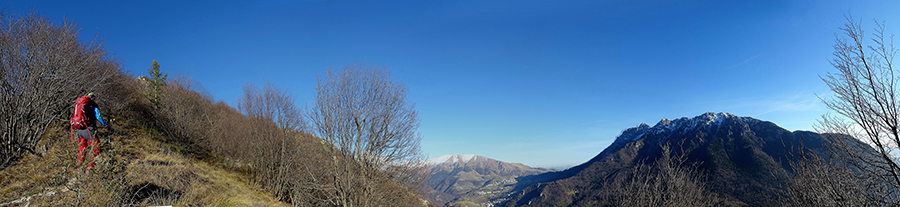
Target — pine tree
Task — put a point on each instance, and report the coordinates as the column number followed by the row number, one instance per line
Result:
column 157, row 81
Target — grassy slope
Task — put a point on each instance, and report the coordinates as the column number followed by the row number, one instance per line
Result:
column 135, row 167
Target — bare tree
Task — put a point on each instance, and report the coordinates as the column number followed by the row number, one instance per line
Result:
column 867, row 101
column 366, row 117
column 43, row 68
column 270, row 104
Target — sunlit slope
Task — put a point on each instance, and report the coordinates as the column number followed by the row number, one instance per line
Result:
column 135, row 167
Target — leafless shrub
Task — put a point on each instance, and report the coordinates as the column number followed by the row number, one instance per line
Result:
column 669, row 181
column 184, row 115
column 367, row 119
column 268, row 142
column 43, row 68
column 279, row 125
column 818, row 181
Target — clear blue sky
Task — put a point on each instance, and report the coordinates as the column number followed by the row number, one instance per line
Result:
column 544, row 83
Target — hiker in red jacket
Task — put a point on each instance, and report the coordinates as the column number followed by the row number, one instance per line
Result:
column 84, row 121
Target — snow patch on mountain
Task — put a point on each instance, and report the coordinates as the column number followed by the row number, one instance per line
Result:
column 707, row 121
column 452, row 159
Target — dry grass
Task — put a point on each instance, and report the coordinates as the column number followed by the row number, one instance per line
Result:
column 135, row 168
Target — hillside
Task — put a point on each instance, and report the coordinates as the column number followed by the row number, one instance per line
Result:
column 745, row 161
column 464, row 180
column 175, row 145
column 136, row 167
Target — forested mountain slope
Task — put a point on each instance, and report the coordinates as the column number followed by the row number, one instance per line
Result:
column 729, row 160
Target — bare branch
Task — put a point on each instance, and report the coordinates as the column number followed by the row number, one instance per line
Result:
column 866, row 135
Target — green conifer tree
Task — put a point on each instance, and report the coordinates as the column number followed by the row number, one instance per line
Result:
column 156, row 82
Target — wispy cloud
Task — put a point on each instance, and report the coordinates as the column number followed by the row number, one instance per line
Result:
column 742, row 63
column 793, row 103
column 803, row 101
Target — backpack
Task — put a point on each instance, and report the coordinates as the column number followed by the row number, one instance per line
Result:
column 80, row 118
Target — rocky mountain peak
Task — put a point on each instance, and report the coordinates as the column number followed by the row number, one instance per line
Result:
column 706, row 121
column 634, row 133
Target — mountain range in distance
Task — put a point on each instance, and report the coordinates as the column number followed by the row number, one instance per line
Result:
column 473, row 180
column 743, row 161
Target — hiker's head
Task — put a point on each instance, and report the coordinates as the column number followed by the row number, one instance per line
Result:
column 91, row 95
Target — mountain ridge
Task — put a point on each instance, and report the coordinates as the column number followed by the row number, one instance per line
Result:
column 746, row 160
column 472, row 179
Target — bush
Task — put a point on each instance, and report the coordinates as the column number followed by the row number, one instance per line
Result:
column 43, row 69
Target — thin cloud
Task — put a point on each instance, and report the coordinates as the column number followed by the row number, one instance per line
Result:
column 742, row 63
column 793, row 103
column 761, row 105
